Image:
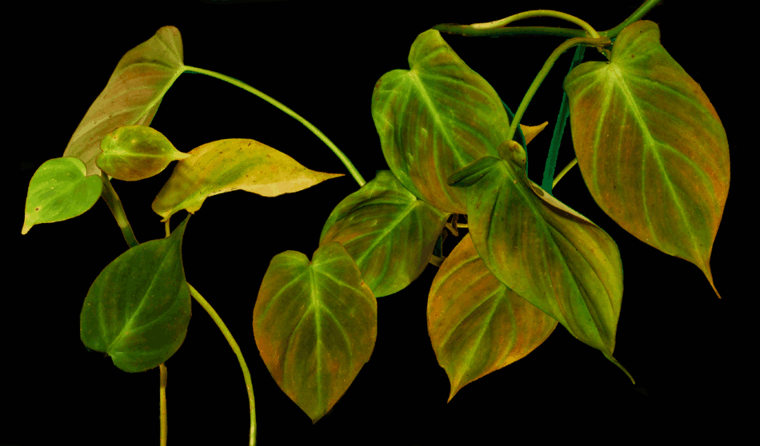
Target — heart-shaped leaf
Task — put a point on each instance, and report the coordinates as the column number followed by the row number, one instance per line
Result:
column 650, row 146
column 315, row 325
column 434, row 119
column 138, row 308
column 132, row 95
column 547, row 253
column 388, row 232
column 476, row 324
column 232, row 164
column 136, row 152
column 59, row 190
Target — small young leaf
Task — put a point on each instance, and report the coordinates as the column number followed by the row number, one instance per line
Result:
column 232, row 164
column 133, row 93
column 136, row 152
column 650, row 146
column 315, row 325
column 472, row 173
column 138, row 309
column 59, row 190
column 476, row 324
column 388, row 232
column 530, row 132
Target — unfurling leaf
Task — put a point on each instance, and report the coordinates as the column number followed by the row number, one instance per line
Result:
column 650, row 146
column 315, row 325
column 132, row 95
column 136, row 152
column 436, row 118
column 388, row 232
column 232, row 164
column 138, row 309
column 547, row 253
column 476, row 324
column 530, row 132
column 59, row 190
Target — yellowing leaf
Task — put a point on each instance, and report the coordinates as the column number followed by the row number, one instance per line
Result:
column 232, row 164
column 530, row 132
column 136, row 152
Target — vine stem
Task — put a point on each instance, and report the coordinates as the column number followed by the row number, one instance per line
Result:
column 164, row 428
column 538, row 13
column 597, row 42
column 114, row 203
column 564, row 171
column 346, row 162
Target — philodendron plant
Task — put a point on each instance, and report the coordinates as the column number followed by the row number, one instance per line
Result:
column 650, row 147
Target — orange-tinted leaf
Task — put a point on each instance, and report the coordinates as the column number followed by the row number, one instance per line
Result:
column 315, row 325
column 132, row 95
column 650, row 146
column 476, row 324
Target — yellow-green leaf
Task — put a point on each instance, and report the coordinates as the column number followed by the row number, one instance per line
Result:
column 132, row 95
column 232, row 164
column 650, row 146
column 476, row 324
column 530, row 131
column 315, row 325
column 136, row 152
column 59, row 190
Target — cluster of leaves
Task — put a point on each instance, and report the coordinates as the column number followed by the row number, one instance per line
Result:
column 649, row 145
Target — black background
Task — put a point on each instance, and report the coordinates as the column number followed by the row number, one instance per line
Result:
column 688, row 350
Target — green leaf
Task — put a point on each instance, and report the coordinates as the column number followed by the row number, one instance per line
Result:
column 388, row 232
column 547, row 253
column 435, row 119
column 472, row 173
column 232, row 164
column 650, row 146
column 136, row 152
column 315, row 325
column 132, row 95
column 476, row 324
column 59, row 190
column 138, row 309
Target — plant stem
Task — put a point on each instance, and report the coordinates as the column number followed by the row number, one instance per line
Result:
column 114, row 203
column 164, row 428
column 564, row 171
column 346, row 162
column 236, row 349
column 469, row 30
column 600, row 42
column 559, row 130
column 537, row 13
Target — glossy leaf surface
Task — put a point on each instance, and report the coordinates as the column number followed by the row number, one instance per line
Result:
column 434, row 119
column 232, row 164
column 138, row 308
column 315, row 325
column 59, row 190
column 132, row 95
column 651, row 148
column 476, row 324
column 388, row 232
column 136, row 152
column 546, row 252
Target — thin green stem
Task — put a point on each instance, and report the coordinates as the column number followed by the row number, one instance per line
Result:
column 600, row 42
column 114, row 203
column 117, row 209
column 346, row 162
column 637, row 15
column 164, row 427
column 559, row 129
column 564, row 171
column 538, row 13
column 236, row 349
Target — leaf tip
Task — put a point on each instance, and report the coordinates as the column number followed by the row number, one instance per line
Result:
column 28, row 226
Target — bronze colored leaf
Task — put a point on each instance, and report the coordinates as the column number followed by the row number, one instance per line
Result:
column 132, row 95
column 232, row 164
column 315, row 325
column 650, row 146
column 436, row 118
column 388, row 232
column 476, row 324
column 547, row 253
column 136, row 152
